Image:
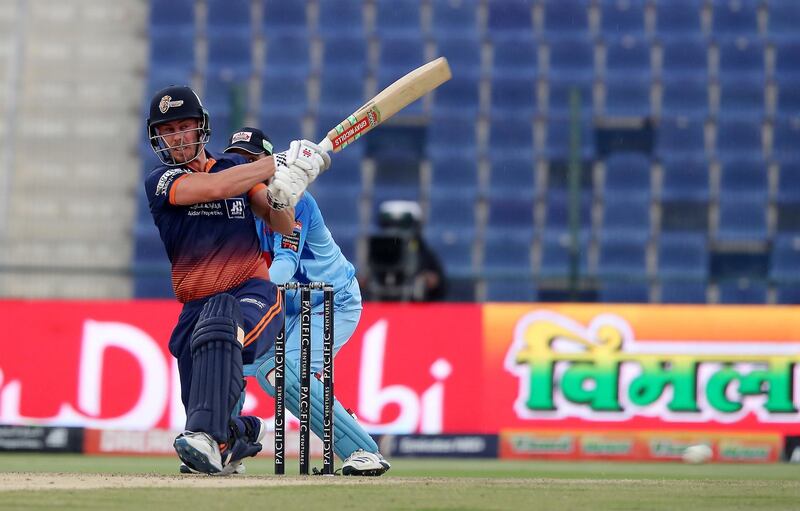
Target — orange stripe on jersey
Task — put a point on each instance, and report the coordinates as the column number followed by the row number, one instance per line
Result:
column 209, row 163
column 271, row 313
column 175, row 187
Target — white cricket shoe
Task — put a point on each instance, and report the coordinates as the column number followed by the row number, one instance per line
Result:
column 199, row 452
column 186, row 469
column 364, row 463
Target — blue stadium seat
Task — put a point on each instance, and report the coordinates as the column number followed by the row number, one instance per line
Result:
column 513, row 97
column 511, row 136
column 786, row 133
column 622, row 260
column 559, row 92
column 507, row 256
column 627, row 56
column 742, row 219
column 284, row 94
column 515, row 58
column 509, row 19
column 626, row 219
column 678, row 18
column 680, row 136
column 222, row 125
column 229, row 15
column 685, row 179
column 622, row 17
column 458, row 98
column 683, row 292
column 784, row 18
column 565, row 18
column 787, row 60
column 448, row 136
column 452, row 210
column 557, row 212
column 788, row 101
column 398, row 17
column 340, row 220
column 169, row 16
column 686, row 57
column 743, row 292
column 555, row 259
column 511, row 290
column 789, row 183
column 735, row 17
column 340, row 94
column 512, row 214
column 512, row 176
column 463, row 55
column 684, row 215
column 338, row 16
column 741, row 59
column 787, row 294
column 152, row 282
column 454, row 173
column 345, row 54
column 612, row 291
column 222, row 94
column 288, row 55
column 455, row 250
column 785, row 259
column 739, row 137
column 685, row 97
column 172, row 53
column 282, row 127
column 683, row 257
column 558, row 138
column 628, row 96
column 454, row 18
column 744, row 176
column 148, row 246
column 572, row 60
column 230, row 53
column 399, row 55
column 627, row 175
column 742, row 98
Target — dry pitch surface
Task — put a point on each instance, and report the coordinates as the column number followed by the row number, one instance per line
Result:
column 152, row 484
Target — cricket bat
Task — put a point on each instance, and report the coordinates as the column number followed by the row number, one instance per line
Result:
column 388, row 102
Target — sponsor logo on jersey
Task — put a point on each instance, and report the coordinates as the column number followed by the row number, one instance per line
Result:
column 255, row 302
column 235, row 207
column 292, row 241
column 166, row 103
column 167, row 178
column 241, row 136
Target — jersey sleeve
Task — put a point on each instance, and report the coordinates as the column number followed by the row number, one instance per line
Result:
column 160, row 185
column 287, row 249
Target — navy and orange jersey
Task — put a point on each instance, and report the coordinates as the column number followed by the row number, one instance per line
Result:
column 213, row 246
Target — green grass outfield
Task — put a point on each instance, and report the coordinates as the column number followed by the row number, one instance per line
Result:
column 152, row 484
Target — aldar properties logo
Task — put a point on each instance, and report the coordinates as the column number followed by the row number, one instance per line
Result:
column 600, row 372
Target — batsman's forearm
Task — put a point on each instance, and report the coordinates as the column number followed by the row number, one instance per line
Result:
column 242, row 178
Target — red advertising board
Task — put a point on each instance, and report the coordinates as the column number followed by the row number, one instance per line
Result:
column 439, row 368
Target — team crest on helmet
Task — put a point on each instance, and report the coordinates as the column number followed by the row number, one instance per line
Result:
column 166, row 103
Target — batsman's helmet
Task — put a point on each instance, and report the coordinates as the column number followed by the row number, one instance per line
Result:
column 171, row 104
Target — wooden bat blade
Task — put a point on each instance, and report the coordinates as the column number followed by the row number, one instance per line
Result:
column 388, row 102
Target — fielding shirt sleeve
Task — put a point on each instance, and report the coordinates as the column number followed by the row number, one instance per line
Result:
column 287, row 249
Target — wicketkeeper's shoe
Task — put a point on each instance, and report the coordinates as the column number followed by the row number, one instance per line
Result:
column 184, row 469
column 245, row 435
column 363, row 463
column 199, row 452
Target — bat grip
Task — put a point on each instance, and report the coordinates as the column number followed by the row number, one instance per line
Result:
column 326, row 145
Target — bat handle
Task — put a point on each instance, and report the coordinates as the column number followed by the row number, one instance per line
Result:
column 326, row 145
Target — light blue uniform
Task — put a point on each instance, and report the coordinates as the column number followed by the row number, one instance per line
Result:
column 310, row 254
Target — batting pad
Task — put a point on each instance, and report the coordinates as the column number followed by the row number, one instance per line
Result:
column 348, row 435
column 216, row 367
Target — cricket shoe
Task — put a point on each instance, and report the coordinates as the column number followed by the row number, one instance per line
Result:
column 185, row 469
column 199, row 452
column 364, row 463
column 244, row 440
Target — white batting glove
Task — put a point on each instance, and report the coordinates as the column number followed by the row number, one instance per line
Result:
column 294, row 170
